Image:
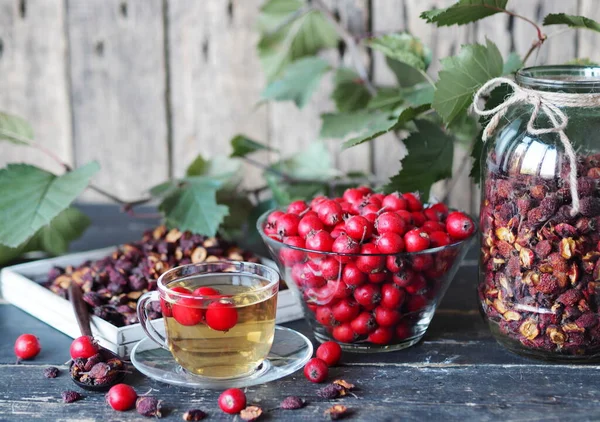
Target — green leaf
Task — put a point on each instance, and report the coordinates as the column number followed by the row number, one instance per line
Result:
column 298, row 81
column 242, row 146
column 572, row 21
column 350, row 92
column 406, row 75
column 512, row 63
column 386, row 98
column 475, row 173
column 582, row 61
column 403, row 48
column 429, row 159
column 419, row 94
column 340, row 125
column 313, row 162
column 31, row 197
column 303, row 36
column 194, row 207
column 62, row 230
column 7, row 254
column 462, row 75
column 464, row 129
column 280, row 194
column 220, row 167
column 163, row 189
column 464, row 11
column 239, row 207
column 15, row 129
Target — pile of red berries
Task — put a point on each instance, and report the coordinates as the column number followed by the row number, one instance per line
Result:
column 368, row 275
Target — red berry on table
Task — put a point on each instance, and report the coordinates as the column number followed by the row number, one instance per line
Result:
column 83, row 347
column 344, row 333
column 330, row 212
column 381, row 336
column 371, row 260
column 394, row 202
column 121, row 397
column 232, row 401
column 345, row 310
column 221, row 316
column 390, row 243
column 319, row 241
column 416, row 240
column 316, row 370
column 27, row 346
column 330, row 352
column 359, row 228
column 392, row 296
column 459, row 225
column 390, row 222
column 386, row 317
column 364, row 323
column 309, row 223
column 414, row 203
column 287, row 225
column 297, row 207
column 439, row 238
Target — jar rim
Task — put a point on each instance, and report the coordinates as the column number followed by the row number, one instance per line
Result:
column 574, row 78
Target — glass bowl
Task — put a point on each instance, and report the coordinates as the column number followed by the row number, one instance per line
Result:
column 384, row 311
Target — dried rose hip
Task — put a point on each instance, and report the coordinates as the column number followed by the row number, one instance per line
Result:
column 148, row 406
column 251, row 413
column 292, row 403
column 51, row 372
column 194, row 415
column 70, row 396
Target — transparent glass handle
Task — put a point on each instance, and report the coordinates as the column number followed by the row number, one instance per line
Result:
column 142, row 312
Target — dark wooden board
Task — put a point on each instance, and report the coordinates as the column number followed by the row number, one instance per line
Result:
column 458, row 371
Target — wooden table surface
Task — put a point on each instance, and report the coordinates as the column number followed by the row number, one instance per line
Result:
column 458, row 372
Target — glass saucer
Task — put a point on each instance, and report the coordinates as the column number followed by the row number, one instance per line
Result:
column 290, row 351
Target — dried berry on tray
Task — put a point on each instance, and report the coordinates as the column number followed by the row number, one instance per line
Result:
column 112, row 285
column 540, row 267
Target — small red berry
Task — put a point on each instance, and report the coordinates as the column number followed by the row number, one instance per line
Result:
column 364, row 323
column 459, row 225
column 378, row 277
column 166, row 307
column 382, row 335
column 330, row 212
column 232, row 401
column 433, row 226
column 353, row 196
column 287, row 225
column 441, row 209
column 297, row 207
column 417, row 284
column 368, row 295
column 187, row 311
column 404, row 277
column 318, row 200
column 414, row 203
column 330, row 352
column 206, row 291
column 365, row 190
column 345, row 310
column 221, row 316
column 392, row 296
column 344, row 333
column 369, row 209
column 27, row 346
column 394, row 202
column 403, row 330
column 386, row 317
column 309, row 223
column 274, row 216
column 331, row 269
column 345, row 245
column 416, row 303
column 316, row 370
column 370, row 260
column 83, row 347
column 418, row 218
column 390, row 243
column 319, row 241
column 394, row 264
column 121, row 397
column 406, row 216
column 291, row 256
column 352, row 276
column 422, row 262
column 416, row 240
column 390, row 222
column 432, row 214
column 359, row 228
column 324, row 316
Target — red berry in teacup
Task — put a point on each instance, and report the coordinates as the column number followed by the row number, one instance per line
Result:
column 27, row 346
column 83, row 347
column 221, row 316
column 121, row 397
column 316, row 370
column 187, row 311
column 416, row 240
column 206, row 291
column 459, row 225
column 232, row 401
column 330, row 352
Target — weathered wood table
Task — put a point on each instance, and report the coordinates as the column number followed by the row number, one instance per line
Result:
column 457, row 372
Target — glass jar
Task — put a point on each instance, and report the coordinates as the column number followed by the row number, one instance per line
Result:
column 539, row 284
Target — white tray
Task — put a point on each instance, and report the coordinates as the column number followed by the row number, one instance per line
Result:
column 19, row 286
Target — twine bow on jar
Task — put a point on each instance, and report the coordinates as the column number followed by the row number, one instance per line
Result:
column 547, row 102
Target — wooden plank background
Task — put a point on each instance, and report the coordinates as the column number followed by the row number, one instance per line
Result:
column 143, row 86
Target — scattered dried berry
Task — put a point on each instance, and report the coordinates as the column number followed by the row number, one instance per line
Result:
column 51, row 372
column 70, row 396
column 194, row 415
column 331, row 391
column 148, row 406
column 344, row 384
column 251, row 413
column 292, row 403
column 337, row 411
